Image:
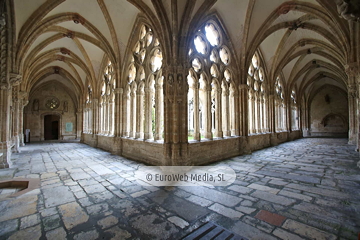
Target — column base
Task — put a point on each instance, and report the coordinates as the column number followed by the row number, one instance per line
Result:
column 5, row 152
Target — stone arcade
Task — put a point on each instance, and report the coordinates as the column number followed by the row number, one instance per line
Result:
column 177, row 82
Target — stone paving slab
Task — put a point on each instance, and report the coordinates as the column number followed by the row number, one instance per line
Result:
column 310, row 185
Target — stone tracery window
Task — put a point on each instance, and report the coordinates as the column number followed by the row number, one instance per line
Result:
column 211, row 91
column 88, row 111
column 294, row 111
column 52, row 103
column 143, row 103
column 280, row 106
column 258, row 97
column 107, row 100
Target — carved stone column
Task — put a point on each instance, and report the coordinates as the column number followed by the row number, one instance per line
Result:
column 218, row 118
column 79, row 120
column 24, row 101
column 118, row 112
column 197, row 134
column 95, row 116
column 352, row 99
column 139, row 114
column 148, row 115
column 271, row 115
column 132, row 114
column 243, row 99
column 226, row 112
column 175, row 107
column 159, row 108
column 208, row 118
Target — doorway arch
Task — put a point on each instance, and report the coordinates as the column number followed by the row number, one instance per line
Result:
column 51, row 126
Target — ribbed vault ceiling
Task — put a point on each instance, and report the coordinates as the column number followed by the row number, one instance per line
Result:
column 68, row 40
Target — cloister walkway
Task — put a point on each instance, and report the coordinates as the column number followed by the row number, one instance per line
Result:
column 305, row 189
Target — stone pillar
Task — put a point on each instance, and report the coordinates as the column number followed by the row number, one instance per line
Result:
column 5, row 136
column 207, row 111
column 95, row 116
column 132, row 114
column 159, row 110
column 226, row 112
column 139, row 114
column 218, row 118
column 197, row 135
column 148, row 115
column 352, row 99
column 79, row 120
column 118, row 131
column 243, row 99
column 271, row 115
column 24, row 101
column 352, row 71
column 175, row 101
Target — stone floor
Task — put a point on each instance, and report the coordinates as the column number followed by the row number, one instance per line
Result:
column 306, row 189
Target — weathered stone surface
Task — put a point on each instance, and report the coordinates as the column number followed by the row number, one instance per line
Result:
column 185, row 209
column 264, row 188
column 57, row 196
column 19, row 207
column 32, row 233
column 247, row 210
column 100, row 169
column 88, row 235
column 200, row 201
column 272, row 218
column 8, row 226
column 273, row 198
column 214, row 195
column 97, row 208
column 227, row 212
column 51, row 222
column 240, row 189
column 178, row 221
column 152, row 226
column 250, row 232
column 30, row 221
column 56, row 234
column 282, row 234
column 306, row 230
column 295, row 195
column 113, row 211
column 318, row 190
column 138, row 194
column 118, row 233
column 72, row 215
column 97, row 188
column 107, row 222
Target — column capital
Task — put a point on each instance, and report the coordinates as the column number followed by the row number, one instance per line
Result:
column 352, row 69
column 119, row 90
column 243, row 86
column 15, row 79
column 352, row 90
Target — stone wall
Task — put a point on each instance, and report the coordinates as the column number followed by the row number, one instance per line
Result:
column 329, row 113
column 199, row 153
column 40, row 105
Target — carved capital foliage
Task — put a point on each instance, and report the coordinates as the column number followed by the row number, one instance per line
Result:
column 118, row 90
column 352, row 69
column 352, row 90
column 15, row 79
column 243, row 87
column 349, row 9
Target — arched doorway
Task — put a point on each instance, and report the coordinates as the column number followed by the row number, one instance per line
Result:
column 51, row 127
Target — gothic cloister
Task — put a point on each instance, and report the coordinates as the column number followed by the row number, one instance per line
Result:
column 183, row 83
